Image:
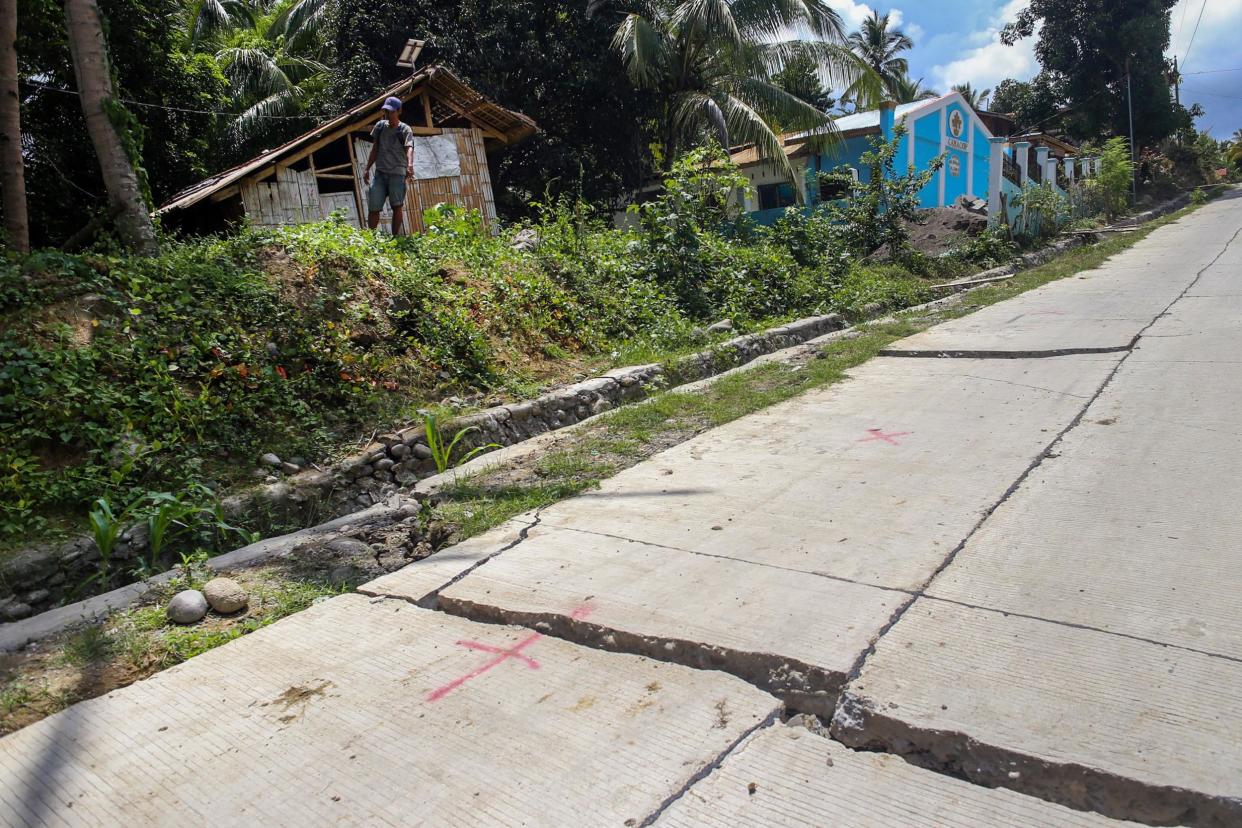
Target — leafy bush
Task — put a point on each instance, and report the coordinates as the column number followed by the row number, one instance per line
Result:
column 1116, row 176
column 121, row 376
column 880, row 211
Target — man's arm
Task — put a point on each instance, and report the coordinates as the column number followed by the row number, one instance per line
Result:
column 409, row 154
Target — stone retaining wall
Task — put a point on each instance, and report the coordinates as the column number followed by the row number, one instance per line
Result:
column 40, row 578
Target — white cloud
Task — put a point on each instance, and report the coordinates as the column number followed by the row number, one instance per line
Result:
column 853, row 14
column 1219, row 25
column 986, row 65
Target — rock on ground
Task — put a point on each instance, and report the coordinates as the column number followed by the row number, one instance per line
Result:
column 187, row 606
column 225, row 595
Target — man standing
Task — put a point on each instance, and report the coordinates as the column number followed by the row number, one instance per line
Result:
column 392, row 152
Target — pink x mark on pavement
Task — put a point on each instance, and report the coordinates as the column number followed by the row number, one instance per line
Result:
column 503, row 654
column 889, row 437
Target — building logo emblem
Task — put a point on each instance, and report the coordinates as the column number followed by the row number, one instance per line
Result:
column 957, row 124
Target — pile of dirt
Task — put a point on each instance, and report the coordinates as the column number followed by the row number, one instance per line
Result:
column 941, row 229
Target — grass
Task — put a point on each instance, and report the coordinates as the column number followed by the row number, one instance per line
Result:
column 137, row 642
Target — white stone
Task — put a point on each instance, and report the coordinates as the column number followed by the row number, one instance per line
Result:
column 187, row 607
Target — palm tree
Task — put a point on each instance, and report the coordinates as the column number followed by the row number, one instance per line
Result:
column 1237, row 136
column 12, row 173
column 711, row 63
column 878, row 46
column 978, row 99
column 106, row 125
column 908, row 90
column 272, row 58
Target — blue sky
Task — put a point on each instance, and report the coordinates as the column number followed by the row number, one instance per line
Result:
column 958, row 40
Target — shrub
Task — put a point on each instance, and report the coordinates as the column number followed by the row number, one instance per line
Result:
column 881, row 210
column 1116, row 177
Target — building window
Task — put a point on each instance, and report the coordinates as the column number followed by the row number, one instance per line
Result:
column 837, row 184
column 774, row 196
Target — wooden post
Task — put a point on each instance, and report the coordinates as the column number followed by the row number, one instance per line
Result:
column 427, row 108
column 353, row 163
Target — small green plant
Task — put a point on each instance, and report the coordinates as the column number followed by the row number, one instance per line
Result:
column 1198, row 197
column 442, row 452
column 106, row 527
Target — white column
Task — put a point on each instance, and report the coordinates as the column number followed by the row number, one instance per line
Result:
column 996, row 170
column 1022, row 154
column 1041, row 160
column 1084, row 167
column 1099, row 164
column 1069, row 169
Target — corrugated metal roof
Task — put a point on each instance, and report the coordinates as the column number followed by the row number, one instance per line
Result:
column 464, row 100
column 844, row 127
column 871, row 118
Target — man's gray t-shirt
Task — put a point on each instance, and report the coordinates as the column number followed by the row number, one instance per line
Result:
column 392, row 143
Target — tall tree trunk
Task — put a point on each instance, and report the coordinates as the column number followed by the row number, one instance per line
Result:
column 12, row 173
column 90, row 66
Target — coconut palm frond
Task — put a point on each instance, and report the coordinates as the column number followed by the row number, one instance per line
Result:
column 707, row 19
column 252, row 119
column 253, row 72
column 773, row 19
column 643, row 50
column 299, row 21
column 746, row 124
column 211, row 17
column 905, row 89
column 839, row 66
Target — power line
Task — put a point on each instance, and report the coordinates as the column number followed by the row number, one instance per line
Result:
column 49, row 87
column 1215, row 94
column 1212, row 71
column 1181, row 21
column 1199, row 20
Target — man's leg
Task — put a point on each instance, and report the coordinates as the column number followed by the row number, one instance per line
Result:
column 376, row 195
column 397, row 212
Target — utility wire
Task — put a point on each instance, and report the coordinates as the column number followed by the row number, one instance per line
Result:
column 1186, row 57
column 49, row 87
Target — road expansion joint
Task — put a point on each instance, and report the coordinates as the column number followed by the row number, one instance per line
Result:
column 815, row 572
column 856, row 724
column 1027, row 354
column 705, row 771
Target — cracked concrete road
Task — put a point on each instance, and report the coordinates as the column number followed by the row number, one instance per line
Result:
column 1004, row 580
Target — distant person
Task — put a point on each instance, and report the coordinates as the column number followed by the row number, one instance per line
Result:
column 392, row 152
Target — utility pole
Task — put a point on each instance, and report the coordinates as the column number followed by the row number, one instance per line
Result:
column 1177, row 83
column 1133, row 160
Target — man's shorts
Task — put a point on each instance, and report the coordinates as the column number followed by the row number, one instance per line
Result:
column 386, row 187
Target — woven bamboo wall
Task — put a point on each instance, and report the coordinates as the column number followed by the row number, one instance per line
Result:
column 292, row 198
column 473, row 188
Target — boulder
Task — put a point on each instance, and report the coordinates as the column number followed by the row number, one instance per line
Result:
column 225, row 595
column 187, row 607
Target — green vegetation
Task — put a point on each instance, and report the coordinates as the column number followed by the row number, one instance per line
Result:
column 628, row 435
column 442, row 450
column 137, row 642
column 123, row 375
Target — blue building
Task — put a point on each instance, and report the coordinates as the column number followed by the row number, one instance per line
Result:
column 940, row 125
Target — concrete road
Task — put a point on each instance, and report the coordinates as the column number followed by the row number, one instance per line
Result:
column 996, row 571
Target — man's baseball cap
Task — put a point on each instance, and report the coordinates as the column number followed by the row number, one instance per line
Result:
column 392, row 105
